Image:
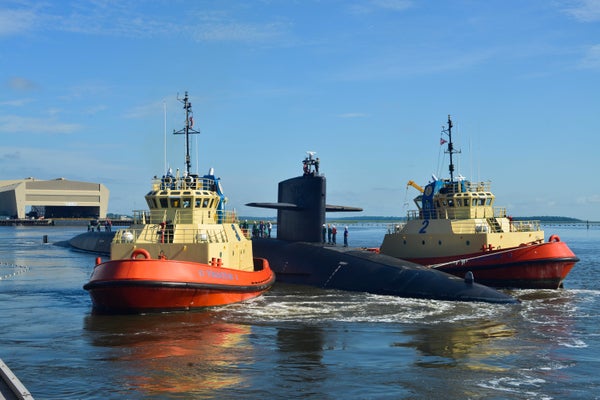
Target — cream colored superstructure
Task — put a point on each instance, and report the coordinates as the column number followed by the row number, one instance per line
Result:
column 184, row 223
column 463, row 221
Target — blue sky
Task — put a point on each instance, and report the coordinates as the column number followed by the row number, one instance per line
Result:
column 84, row 86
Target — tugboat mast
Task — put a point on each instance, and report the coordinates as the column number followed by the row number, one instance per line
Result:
column 450, row 147
column 187, row 130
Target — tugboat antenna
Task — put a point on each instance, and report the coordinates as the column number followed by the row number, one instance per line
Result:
column 187, row 130
column 450, row 147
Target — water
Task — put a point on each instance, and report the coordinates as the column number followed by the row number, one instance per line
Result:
column 296, row 342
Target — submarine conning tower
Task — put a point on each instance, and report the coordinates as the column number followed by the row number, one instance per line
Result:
column 301, row 204
column 303, row 222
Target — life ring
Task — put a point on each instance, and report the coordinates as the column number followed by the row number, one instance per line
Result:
column 142, row 252
column 554, row 238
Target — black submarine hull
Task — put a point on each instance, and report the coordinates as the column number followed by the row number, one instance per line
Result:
column 93, row 242
column 352, row 269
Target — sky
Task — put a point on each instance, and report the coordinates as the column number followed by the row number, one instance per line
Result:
column 89, row 92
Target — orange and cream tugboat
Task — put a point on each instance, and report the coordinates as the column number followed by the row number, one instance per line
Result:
column 457, row 229
column 186, row 252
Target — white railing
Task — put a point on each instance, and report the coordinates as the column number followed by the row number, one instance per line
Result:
column 184, row 183
column 160, row 234
column 157, row 216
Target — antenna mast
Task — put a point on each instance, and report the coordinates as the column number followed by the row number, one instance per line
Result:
column 187, row 130
column 450, row 147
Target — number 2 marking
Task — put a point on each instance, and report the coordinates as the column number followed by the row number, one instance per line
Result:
column 425, row 225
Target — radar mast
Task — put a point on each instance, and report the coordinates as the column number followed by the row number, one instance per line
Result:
column 187, row 130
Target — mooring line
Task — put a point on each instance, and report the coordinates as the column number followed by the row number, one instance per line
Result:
column 340, row 265
column 463, row 261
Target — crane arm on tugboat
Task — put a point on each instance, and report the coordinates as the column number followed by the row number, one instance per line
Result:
column 415, row 185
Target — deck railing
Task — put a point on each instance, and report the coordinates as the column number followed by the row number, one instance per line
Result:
column 497, row 212
column 468, row 186
column 465, row 226
column 158, row 216
column 183, row 183
column 158, row 234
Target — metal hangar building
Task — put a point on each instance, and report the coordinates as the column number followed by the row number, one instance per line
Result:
column 58, row 198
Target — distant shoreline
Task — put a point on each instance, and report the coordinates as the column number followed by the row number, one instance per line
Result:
column 342, row 220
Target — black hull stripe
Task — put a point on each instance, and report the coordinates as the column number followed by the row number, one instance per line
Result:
column 178, row 285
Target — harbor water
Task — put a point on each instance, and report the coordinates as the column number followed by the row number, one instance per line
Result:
column 296, row 342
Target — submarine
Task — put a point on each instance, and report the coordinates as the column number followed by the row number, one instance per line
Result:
column 298, row 254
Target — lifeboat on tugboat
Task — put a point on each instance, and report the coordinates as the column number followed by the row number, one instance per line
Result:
column 186, row 252
column 457, row 229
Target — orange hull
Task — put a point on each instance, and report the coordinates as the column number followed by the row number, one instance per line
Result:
column 142, row 285
column 536, row 266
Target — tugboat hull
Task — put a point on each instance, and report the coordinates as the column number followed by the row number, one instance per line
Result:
column 536, row 266
column 149, row 285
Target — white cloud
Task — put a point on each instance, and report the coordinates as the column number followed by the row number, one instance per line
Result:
column 16, row 102
column 17, row 124
column 585, row 10
column 146, row 110
column 21, row 84
column 397, row 66
column 592, row 57
column 375, row 5
column 396, row 5
column 232, row 31
column 123, row 19
column 592, row 199
column 16, row 21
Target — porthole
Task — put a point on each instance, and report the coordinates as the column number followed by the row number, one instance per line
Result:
column 423, row 242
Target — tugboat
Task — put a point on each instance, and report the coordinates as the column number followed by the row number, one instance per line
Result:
column 457, row 229
column 186, row 252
